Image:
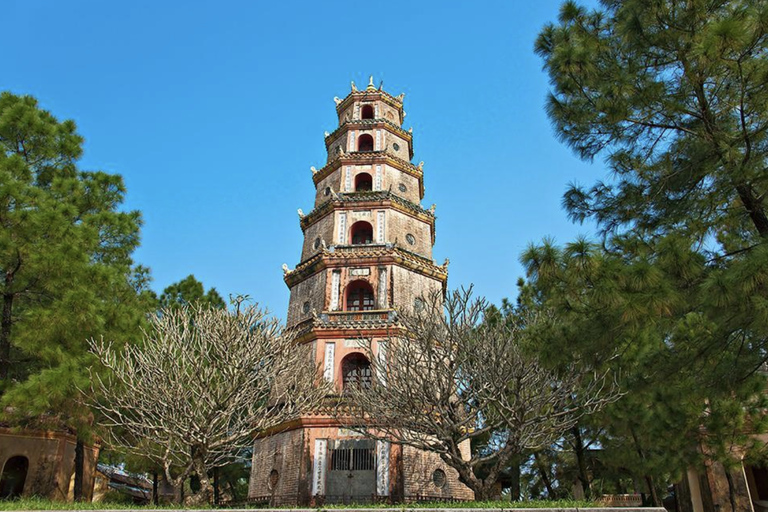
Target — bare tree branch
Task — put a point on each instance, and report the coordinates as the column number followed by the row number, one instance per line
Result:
column 200, row 386
column 456, row 376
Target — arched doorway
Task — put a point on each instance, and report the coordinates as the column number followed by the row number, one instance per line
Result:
column 359, row 296
column 13, row 478
column 361, row 233
column 363, row 182
column 365, row 143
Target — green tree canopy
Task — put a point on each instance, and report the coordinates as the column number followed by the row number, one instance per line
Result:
column 65, row 264
column 673, row 95
column 190, row 291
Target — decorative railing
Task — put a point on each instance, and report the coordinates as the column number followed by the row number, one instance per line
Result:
column 420, row 498
column 344, row 499
column 621, row 500
column 376, row 316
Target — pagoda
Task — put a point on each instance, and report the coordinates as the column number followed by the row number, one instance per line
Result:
column 367, row 251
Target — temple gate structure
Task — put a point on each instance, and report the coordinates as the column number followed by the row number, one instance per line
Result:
column 367, row 250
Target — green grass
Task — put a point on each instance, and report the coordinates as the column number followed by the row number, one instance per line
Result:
column 479, row 504
column 43, row 504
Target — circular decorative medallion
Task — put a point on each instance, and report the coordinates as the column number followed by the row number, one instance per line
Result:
column 274, row 476
column 317, row 243
column 396, row 146
column 410, row 239
column 305, row 307
column 402, row 188
column 438, row 478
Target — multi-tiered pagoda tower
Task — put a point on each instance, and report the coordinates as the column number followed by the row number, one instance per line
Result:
column 367, row 251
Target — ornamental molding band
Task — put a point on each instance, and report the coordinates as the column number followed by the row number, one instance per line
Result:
column 367, row 252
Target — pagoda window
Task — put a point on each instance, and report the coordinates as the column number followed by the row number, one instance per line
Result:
column 363, row 182
column 361, row 233
column 359, row 296
column 365, row 142
column 356, row 371
column 366, row 112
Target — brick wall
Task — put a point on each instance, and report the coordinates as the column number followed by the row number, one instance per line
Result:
column 310, row 290
column 283, row 453
column 408, row 285
column 400, row 225
column 323, row 229
column 418, row 470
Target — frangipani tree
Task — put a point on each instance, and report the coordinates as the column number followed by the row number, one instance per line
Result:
column 200, row 386
column 453, row 376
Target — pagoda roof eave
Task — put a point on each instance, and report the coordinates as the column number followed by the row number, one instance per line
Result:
column 373, row 199
column 338, row 256
column 395, row 101
column 358, row 157
column 369, row 123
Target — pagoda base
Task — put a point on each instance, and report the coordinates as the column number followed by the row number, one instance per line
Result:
column 316, row 461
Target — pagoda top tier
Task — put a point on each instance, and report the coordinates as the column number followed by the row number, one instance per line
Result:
column 383, row 104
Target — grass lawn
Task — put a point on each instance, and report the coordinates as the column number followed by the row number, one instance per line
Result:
column 41, row 504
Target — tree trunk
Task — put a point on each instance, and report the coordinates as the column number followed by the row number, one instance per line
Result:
column 544, row 476
column 216, row 496
column 6, row 320
column 206, row 489
column 514, row 486
column 155, row 498
column 79, row 470
column 578, row 448
column 731, row 488
column 648, row 478
column 652, row 491
column 754, row 209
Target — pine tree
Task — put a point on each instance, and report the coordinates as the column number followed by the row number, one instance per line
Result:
column 66, row 267
column 673, row 95
column 189, row 291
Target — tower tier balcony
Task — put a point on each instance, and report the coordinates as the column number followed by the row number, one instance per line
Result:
column 367, row 198
column 348, row 323
column 345, row 255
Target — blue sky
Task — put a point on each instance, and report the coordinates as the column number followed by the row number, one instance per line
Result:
column 213, row 113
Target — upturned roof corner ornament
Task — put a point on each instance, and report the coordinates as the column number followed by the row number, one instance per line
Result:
column 401, row 97
column 326, row 134
column 285, row 269
column 410, row 130
column 404, row 114
column 381, row 85
column 312, row 168
column 421, row 165
column 432, row 208
column 354, row 87
column 446, row 263
column 301, row 213
column 337, row 100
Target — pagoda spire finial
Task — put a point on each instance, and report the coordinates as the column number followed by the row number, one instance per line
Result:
column 371, row 87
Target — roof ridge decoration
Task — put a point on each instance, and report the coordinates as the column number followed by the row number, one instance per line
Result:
column 395, row 101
